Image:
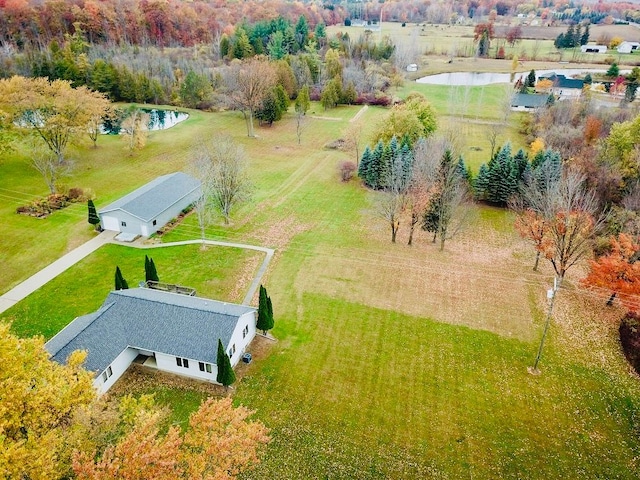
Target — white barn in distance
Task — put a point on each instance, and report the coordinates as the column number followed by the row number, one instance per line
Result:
column 147, row 209
column 168, row 331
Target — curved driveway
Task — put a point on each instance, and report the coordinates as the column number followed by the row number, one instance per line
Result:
column 51, row 271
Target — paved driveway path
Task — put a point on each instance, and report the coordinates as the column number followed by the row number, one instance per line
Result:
column 51, row 271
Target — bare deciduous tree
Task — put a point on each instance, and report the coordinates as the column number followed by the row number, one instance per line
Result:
column 248, row 83
column 50, row 166
column 220, row 165
column 570, row 217
column 134, row 129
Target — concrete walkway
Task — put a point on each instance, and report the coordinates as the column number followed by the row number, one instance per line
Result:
column 37, row 280
column 50, row 272
column 255, row 284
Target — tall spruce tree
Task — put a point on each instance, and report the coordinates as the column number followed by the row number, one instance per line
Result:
column 225, row 376
column 121, row 283
column 265, row 312
column 93, row 217
column 365, row 166
column 481, row 183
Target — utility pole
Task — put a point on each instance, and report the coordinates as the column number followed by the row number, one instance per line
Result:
column 551, row 295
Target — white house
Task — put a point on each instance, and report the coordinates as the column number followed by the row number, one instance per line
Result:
column 168, row 331
column 628, row 47
column 593, row 48
column 147, row 209
column 564, row 87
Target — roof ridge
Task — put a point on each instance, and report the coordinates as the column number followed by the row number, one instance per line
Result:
column 199, row 299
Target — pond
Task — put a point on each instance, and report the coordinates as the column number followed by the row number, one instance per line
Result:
column 158, row 120
column 485, row 78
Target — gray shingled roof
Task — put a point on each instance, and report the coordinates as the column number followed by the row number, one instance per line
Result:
column 155, row 197
column 529, row 100
column 560, row 81
column 149, row 319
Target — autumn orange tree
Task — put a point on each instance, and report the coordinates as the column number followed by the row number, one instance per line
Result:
column 618, row 270
column 219, row 444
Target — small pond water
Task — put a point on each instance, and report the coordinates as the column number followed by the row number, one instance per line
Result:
column 158, row 120
column 484, row 78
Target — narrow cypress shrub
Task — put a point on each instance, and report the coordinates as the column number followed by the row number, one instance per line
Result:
column 226, row 376
column 121, row 283
column 93, row 217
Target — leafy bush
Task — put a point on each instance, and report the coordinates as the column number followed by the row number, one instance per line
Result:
column 347, row 169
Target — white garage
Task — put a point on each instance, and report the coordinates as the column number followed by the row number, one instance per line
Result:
column 147, row 209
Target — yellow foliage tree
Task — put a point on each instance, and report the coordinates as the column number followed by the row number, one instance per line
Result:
column 536, row 146
column 38, row 399
column 54, row 112
column 615, row 42
column 544, row 85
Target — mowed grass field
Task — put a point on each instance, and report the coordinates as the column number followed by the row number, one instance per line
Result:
column 391, row 361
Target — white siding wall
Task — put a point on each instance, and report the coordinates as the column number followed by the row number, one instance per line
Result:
column 242, row 343
column 168, row 363
column 118, row 367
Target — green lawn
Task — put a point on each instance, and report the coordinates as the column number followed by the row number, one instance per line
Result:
column 83, row 288
column 392, row 361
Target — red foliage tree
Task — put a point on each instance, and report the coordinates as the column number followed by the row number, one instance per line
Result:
column 617, row 271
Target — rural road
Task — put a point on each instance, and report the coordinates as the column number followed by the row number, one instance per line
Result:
column 51, row 271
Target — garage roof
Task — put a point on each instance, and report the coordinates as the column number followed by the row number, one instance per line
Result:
column 150, row 200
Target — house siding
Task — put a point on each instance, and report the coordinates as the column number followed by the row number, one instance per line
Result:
column 248, row 319
column 167, row 363
column 118, row 367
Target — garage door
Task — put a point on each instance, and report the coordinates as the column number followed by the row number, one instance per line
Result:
column 110, row 223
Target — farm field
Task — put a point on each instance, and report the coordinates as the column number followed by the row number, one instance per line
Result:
column 392, row 361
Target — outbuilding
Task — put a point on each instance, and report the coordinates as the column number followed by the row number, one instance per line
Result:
column 168, row 331
column 628, row 47
column 593, row 48
column 527, row 102
column 147, row 209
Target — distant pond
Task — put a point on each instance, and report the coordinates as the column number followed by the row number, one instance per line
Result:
column 479, row 79
column 158, row 120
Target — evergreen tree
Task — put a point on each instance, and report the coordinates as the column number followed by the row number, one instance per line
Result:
column 150, row 272
column 121, row 283
column 375, row 170
column 570, row 37
column 406, row 157
column 559, row 42
column 265, row 312
column 93, row 217
column 385, row 166
column 531, row 79
column 242, row 47
column 302, row 32
column 613, row 71
column 431, row 217
column 463, row 171
column 225, row 376
column 275, row 47
column 587, row 79
column 320, row 33
column 481, row 184
column 584, row 39
column 225, row 46
column 365, row 166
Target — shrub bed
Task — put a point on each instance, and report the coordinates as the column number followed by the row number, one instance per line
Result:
column 44, row 207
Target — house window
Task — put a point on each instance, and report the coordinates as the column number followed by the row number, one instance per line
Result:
column 155, row 221
column 106, row 374
column 204, row 367
column 232, row 350
column 182, row 362
column 124, row 224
